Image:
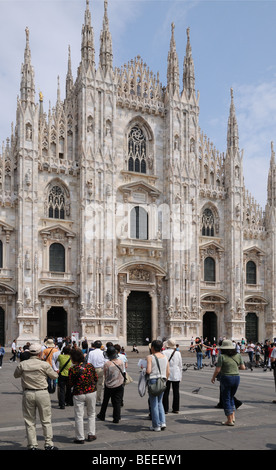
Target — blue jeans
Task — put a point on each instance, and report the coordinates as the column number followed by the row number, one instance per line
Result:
column 229, row 385
column 199, row 356
column 157, row 409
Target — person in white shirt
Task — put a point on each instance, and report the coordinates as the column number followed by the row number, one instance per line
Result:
column 13, row 350
column 96, row 358
column 175, row 362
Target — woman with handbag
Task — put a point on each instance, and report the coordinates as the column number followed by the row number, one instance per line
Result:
column 157, row 368
column 114, row 380
column 228, row 365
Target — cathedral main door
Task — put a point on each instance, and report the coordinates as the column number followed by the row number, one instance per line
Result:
column 251, row 329
column 56, row 322
column 138, row 318
column 210, row 326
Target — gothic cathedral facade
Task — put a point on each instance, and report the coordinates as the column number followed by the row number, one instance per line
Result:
column 120, row 220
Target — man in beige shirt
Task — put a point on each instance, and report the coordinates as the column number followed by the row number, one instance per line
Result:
column 34, row 374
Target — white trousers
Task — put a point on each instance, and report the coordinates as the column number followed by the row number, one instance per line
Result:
column 80, row 401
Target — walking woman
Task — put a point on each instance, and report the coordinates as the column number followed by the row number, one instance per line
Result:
column 156, row 402
column 228, row 366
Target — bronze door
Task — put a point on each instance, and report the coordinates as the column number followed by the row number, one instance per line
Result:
column 138, row 318
column 251, row 329
column 210, row 326
column 56, row 322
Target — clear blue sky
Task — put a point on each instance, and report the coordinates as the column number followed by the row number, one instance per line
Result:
column 233, row 45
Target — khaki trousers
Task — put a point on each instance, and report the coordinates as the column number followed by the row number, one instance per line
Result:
column 32, row 401
column 99, row 385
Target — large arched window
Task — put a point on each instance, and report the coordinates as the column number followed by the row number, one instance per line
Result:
column 208, row 223
column 251, row 273
column 139, row 223
column 56, row 203
column 57, row 258
column 1, row 254
column 137, row 150
column 209, row 270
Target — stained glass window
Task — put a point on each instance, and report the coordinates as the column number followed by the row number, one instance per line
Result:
column 137, row 151
column 56, row 203
column 251, row 273
column 209, row 270
column 208, row 223
column 57, row 257
column 139, row 223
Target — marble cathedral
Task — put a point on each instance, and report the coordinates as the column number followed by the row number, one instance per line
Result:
column 120, row 220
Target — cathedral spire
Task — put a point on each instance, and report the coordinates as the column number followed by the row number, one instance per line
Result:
column 188, row 68
column 69, row 76
column 106, row 55
column 27, row 87
column 271, row 183
column 87, row 46
column 232, row 132
column 173, row 66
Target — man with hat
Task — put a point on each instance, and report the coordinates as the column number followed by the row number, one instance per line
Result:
column 34, row 373
column 48, row 353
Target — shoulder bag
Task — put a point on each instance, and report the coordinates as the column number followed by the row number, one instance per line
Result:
column 126, row 376
column 159, row 386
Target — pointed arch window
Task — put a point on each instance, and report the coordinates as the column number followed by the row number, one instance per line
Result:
column 57, row 258
column 251, row 273
column 137, row 150
column 56, row 203
column 208, row 223
column 139, row 223
column 209, row 270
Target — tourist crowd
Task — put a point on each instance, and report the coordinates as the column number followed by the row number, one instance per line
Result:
column 88, row 377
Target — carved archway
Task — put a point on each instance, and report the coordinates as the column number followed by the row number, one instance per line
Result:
column 147, row 278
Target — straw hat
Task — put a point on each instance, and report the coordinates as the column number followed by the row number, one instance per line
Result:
column 227, row 344
column 171, row 343
column 50, row 343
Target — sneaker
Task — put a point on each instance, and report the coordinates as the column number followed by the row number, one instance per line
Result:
column 163, row 426
column 50, row 448
column 155, row 429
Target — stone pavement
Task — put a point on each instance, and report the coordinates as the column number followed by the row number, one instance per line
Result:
column 196, row 428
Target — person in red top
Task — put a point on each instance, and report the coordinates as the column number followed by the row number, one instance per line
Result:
column 83, row 378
